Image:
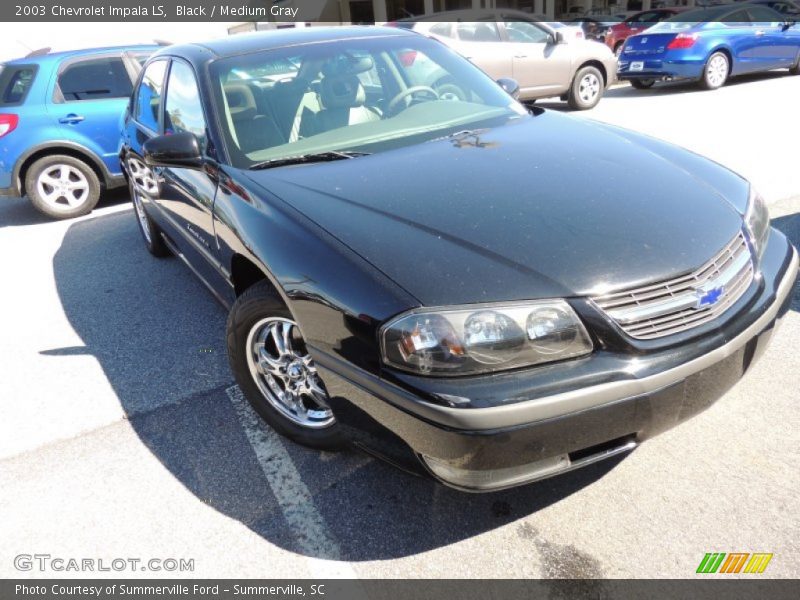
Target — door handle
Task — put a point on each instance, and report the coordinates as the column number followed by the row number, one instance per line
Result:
column 521, row 56
column 760, row 32
column 71, row 119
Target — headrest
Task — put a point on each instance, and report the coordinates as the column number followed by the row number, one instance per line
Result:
column 241, row 101
column 345, row 65
column 342, row 92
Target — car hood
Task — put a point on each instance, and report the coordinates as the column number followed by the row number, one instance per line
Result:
column 547, row 206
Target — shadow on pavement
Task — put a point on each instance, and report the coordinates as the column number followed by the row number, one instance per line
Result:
column 159, row 337
column 17, row 212
column 666, row 88
column 790, row 226
column 680, row 87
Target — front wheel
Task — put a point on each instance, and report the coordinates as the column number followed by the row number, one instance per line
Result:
column 643, row 84
column 586, row 90
column 62, row 187
column 141, row 180
column 271, row 364
column 716, row 71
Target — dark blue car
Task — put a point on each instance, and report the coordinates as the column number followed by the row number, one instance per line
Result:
column 710, row 45
column 60, row 125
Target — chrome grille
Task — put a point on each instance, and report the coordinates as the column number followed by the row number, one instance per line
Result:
column 669, row 307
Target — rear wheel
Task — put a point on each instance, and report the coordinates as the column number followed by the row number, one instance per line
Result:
column 643, row 84
column 271, row 364
column 587, row 89
column 62, row 187
column 716, row 71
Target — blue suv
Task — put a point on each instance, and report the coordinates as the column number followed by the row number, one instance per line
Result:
column 60, row 125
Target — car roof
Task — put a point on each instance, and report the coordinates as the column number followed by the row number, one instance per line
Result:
column 54, row 56
column 244, row 43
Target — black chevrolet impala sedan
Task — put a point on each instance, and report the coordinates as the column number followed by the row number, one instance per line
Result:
column 417, row 264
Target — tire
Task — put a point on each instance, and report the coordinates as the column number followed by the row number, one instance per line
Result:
column 62, row 187
column 586, row 89
column 643, row 84
column 716, row 71
column 253, row 318
column 795, row 70
column 151, row 232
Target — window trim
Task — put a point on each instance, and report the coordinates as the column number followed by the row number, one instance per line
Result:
column 134, row 101
column 58, row 96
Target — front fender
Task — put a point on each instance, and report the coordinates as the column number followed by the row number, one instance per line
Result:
column 338, row 298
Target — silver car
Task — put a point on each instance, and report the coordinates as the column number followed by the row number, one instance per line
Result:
column 544, row 58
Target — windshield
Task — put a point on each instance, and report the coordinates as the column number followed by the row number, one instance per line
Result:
column 365, row 95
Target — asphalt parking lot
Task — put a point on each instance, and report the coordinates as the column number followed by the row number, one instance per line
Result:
column 123, row 435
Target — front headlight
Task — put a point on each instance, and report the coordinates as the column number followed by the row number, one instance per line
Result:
column 477, row 339
column 756, row 221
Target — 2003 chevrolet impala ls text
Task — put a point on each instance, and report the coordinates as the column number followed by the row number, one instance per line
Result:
column 415, row 262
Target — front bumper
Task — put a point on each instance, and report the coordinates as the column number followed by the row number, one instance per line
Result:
column 508, row 444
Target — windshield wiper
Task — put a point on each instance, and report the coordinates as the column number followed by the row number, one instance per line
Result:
column 328, row 156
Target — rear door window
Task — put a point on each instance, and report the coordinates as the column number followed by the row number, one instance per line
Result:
column 15, row 83
column 478, row 32
column 95, row 79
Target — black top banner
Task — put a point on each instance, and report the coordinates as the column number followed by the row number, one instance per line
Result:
column 346, row 11
column 161, row 10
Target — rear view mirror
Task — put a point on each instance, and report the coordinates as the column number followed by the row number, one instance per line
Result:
column 180, row 150
column 510, row 86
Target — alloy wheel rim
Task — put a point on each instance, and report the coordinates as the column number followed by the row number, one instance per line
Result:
column 141, row 215
column 717, row 70
column 142, row 176
column 63, row 187
column 285, row 373
column 589, row 87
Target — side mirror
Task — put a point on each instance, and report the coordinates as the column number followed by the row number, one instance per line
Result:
column 789, row 24
column 558, row 37
column 180, row 150
column 510, row 86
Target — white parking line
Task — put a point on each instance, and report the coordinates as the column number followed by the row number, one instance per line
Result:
column 294, row 497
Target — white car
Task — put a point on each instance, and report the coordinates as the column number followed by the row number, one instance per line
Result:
column 545, row 59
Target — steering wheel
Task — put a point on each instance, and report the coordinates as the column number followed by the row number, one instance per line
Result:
column 416, row 89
